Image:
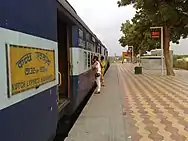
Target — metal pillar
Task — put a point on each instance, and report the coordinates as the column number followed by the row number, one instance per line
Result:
column 132, row 52
column 162, row 48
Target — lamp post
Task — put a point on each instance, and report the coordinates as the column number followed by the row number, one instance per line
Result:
column 162, row 52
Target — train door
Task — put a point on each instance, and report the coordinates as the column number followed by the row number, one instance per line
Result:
column 63, row 57
column 91, row 58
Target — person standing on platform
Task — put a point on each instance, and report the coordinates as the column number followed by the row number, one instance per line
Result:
column 97, row 67
column 103, row 64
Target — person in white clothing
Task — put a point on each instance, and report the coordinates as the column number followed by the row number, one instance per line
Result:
column 97, row 68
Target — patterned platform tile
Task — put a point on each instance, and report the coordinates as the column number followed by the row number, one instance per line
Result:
column 156, row 107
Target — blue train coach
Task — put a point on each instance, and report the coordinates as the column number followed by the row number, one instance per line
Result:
column 46, row 55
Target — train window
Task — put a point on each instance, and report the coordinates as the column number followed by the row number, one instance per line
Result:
column 96, row 48
column 87, row 45
column 81, row 34
column 93, row 47
column 93, row 39
column 85, row 60
column 88, row 60
column 87, row 37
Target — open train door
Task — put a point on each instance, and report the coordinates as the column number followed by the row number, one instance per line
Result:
column 63, row 35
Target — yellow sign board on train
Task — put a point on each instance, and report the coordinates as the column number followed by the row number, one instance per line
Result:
column 30, row 67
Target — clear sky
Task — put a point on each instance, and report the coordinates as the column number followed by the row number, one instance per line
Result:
column 104, row 18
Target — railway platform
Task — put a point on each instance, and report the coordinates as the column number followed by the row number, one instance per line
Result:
column 146, row 107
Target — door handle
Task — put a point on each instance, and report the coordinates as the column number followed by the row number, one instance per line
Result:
column 60, row 79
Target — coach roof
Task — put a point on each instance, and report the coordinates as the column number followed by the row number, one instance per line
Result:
column 72, row 11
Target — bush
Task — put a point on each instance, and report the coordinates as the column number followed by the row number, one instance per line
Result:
column 182, row 64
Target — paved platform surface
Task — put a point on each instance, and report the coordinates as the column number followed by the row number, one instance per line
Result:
column 102, row 118
column 131, row 107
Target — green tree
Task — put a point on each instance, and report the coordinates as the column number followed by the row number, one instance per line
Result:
column 137, row 35
column 171, row 14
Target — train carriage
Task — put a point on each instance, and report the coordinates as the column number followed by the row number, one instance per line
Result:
column 46, row 57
